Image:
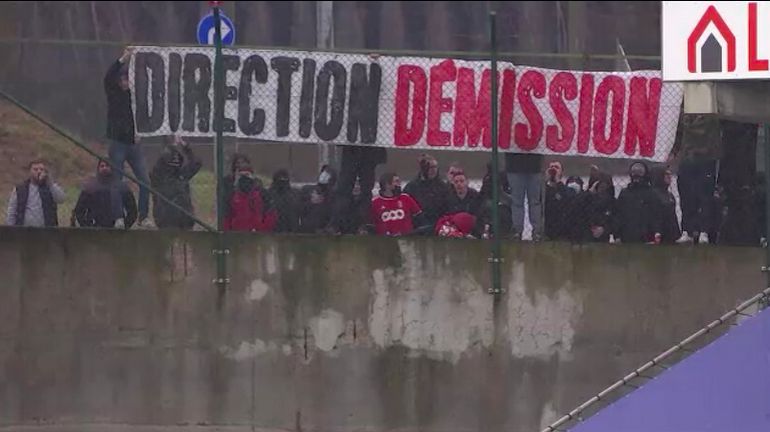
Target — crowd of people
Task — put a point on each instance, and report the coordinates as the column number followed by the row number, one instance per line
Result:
column 569, row 208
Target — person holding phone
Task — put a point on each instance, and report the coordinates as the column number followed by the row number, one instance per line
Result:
column 34, row 203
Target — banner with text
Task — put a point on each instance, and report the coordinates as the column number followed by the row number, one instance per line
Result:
column 404, row 102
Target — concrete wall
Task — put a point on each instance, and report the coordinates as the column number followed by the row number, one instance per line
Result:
column 116, row 331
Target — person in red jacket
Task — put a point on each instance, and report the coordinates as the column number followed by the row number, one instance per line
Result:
column 394, row 213
column 249, row 208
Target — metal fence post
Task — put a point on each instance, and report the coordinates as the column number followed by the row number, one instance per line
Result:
column 496, row 258
column 221, row 248
column 764, row 303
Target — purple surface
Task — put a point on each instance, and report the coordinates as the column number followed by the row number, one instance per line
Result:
column 721, row 388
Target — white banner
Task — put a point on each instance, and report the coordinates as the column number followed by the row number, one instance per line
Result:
column 405, row 102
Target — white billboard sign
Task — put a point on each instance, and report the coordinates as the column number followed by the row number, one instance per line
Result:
column 719, row 40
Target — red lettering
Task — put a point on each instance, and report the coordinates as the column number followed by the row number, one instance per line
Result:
column 643, row 110
column 506, row 109
column 438, row 104
column 528, row 137
column 755, row 64
column 412, row 78
column 472, row 112
column 602, row 143
column 563, row 86
column 586, row 112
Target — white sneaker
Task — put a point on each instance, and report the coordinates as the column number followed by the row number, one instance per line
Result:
column 685, row 238
column 703, row 238
column 145, row 223
column 120, row 224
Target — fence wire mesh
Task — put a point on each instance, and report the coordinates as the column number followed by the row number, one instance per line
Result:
column 426, row 119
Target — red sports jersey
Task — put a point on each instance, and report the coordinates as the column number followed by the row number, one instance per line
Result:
column 393, row 216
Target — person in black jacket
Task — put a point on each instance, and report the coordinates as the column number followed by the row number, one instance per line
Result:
column 316, row 212
column 596, row 207
column 358, row 165
column 100, row 196
column 666, row 224
column 636, row 208
column 357, row 215
column 286, row 201
column 484, row 222
column 430, row 192
column 463, row 198
column 120, row 130
column 558, row 199
column 171, row 177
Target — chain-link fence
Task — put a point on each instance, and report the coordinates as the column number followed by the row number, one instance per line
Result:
column 380, row 113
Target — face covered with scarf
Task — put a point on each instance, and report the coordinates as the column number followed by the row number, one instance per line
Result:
column 245, row 180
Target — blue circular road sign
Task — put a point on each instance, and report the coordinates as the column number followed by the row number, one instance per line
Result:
column 206, row 30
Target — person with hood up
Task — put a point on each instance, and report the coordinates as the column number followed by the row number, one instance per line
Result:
column 635, row 217
column 286, row 201
column 249, row 208
column 430, row 192
column 598, row 209
column 101, row 197
column 666, row 224
column 171, row 177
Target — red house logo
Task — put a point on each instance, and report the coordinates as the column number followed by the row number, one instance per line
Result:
column 711, row 52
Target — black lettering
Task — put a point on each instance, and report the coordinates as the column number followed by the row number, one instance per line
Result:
column 364, row 104
column 229, row 63
column 306, row 98
column 145, row 62
column 196, row 92
column 285, row 66
column 251, row 122
column 174, row 90
column 328, row 125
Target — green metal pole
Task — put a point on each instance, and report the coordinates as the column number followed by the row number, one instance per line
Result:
column 219, row 106
column 496, row 258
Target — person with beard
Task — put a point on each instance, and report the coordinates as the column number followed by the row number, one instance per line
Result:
column 249, row 208
column 666, row 224
column 105, row 201
column 171, row 177
column 484, row 221
column 34, row 202
column 635, row 206
column 430, row 192
column 463, row 198
column 558, row 198
column 286, row 202
column 394, row 213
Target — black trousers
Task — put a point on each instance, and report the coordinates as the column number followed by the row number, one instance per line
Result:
column 358, row 163
column 696, row 182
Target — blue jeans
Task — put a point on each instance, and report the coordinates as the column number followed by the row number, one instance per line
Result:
column 531, row 186
column 121, row 153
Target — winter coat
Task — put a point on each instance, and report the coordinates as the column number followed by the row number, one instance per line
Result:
column 559, row 219
column 249, row 210
column 120, row 114
column 432, row 195
column 173, row 182
column 665, row 222
column 287, row 204
column 94, row 207
column 470, row 204
column 635, row 216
